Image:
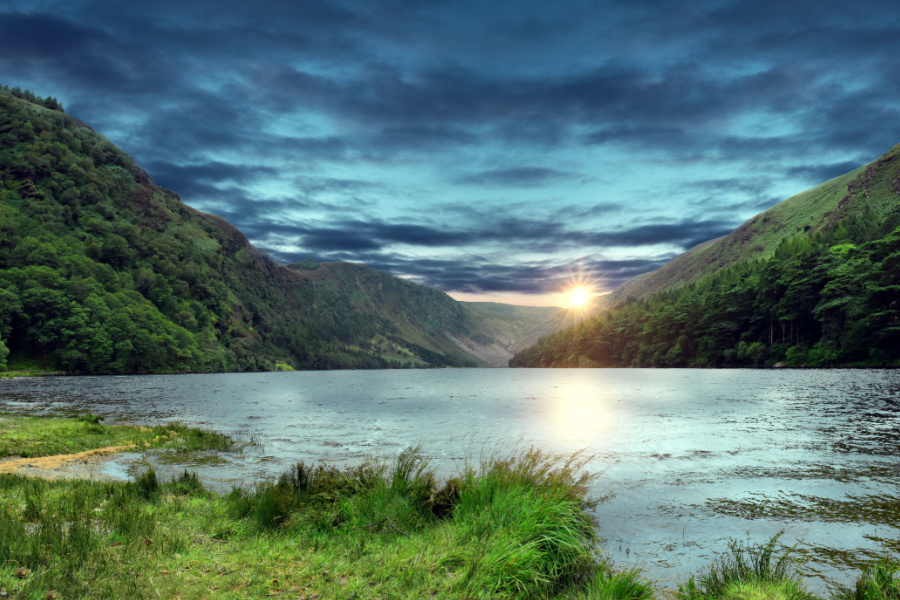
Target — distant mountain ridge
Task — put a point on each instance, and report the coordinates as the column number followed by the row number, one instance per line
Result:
column 103, row 271
column 490, row 332
column 504, row 329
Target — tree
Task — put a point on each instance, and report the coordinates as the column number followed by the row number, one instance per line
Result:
column 4, row 352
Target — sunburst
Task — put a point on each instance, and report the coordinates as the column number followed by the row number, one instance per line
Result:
column 580, row 291
column 579, row 297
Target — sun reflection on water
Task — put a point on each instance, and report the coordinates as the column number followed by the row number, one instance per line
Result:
column 578, row 415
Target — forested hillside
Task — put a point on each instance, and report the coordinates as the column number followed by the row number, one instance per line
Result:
column 102, row 271
column 422, row 325
column 829, row 295
column 807, row 213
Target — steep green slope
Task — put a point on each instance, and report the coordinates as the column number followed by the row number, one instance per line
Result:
column 102, row 271
column 414, row 323
column 807, row 213
column 828, row 294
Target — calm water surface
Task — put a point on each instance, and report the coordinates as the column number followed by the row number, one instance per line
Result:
column 693, row 457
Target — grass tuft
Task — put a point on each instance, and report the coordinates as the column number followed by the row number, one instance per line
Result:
column 746, row 569
column 147, row 485
column 609, row 584
column 879, row 582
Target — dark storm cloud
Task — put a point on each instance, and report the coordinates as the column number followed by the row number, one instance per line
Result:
column 216, row 99
column 256, row 216
column 58, row 47
column 819, row 173
column 477, row 274
column 336, row 239
column 355, row 235
column 666, row 105
column 44, row 37
column 195, row 179
column 355, row 240
column 685, row 234
column 517, row 177
column 674, row 107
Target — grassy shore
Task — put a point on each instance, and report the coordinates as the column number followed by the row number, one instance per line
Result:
column 514, row 526
column 29, row 437
column 26, row 373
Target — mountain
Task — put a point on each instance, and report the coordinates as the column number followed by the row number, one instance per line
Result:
column 429, row 318
column 416, row 324
column 103, row 271
column 505, row 329
column 813, row 281
column 868, row 188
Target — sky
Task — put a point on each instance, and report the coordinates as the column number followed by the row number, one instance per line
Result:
column 494, row 150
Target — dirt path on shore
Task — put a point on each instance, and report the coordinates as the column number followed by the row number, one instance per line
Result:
column 81, row 465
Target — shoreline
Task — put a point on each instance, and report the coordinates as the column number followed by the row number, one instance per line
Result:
column 399, row 512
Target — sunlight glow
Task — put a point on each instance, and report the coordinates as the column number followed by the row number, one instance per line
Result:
column 581, row 292
column 578, row 297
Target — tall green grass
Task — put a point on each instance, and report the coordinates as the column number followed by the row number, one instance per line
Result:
column 609, row 584
column 510, row 528
column 78, row 543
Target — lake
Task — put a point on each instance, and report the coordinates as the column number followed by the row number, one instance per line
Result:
column 693, row 457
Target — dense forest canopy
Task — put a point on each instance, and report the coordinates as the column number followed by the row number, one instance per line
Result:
column 102, row 271
column 826, row 297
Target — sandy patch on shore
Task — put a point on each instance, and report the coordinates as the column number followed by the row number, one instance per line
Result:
column 81, row 465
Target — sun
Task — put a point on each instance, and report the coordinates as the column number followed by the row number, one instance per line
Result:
column 578, row 297
column 578, row 293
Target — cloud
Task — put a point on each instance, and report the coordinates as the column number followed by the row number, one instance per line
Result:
column 356, row 240
column 345, row 112
column 336, row 239
column 204, row 94
column 491, row 274
column 818, row 173
column 200, row 178
column 685, row 234
column 517, row 177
